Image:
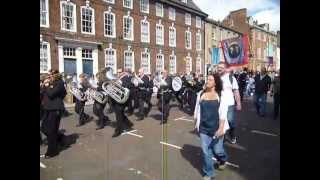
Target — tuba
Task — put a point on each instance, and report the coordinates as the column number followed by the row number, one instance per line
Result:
column 114, row 89
column 176, row 83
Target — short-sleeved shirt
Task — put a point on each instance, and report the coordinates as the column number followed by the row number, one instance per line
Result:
column 227, row 91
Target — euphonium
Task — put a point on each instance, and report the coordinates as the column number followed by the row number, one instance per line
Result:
column 77, row 93
column 114, row 89
column 96, row 95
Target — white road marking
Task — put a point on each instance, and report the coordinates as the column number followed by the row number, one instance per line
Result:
column 128, row 132
column 42, row 165
column 184, row 119
column 135, row 135
column 227, row 163
column 265, row 133
column 179, row 118
column 59, row 179
column 170, row 145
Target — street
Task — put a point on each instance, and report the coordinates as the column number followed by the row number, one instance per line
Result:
column 169, row 152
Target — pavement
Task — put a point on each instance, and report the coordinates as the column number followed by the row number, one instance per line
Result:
column 168, row 152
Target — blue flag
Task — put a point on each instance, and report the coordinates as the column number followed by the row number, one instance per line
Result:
column 215, row 55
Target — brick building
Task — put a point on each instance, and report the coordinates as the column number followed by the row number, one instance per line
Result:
column 84, row 36
column 215, row 33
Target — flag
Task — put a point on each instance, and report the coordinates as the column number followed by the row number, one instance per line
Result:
column 215, row 56
column 235, row 50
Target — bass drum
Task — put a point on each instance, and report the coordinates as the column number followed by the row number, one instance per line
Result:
column 176, row 83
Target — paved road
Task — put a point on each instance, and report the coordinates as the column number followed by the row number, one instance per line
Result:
column 95, row 155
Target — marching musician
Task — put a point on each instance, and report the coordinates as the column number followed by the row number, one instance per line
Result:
column 130, row 109
column 53, row 106
column 123, row 124
column 142, row 93
column 149, row 94
column 164, row 96
column 79, row 107
column 98, row 108
column 179, row 94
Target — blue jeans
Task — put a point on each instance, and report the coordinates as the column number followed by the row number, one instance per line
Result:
column 211, row 147
column 261, row 103
column 232, row 121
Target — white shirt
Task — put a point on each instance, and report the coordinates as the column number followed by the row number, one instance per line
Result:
column 227, row 90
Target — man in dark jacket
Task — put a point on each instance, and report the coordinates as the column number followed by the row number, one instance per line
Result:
column 262, row 86
column 53, row 95
column 142, row 93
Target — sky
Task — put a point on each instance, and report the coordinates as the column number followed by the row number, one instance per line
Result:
column 265, row 11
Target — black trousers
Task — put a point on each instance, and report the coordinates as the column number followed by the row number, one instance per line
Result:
column 79, row 109
column 122, row 121
column 276, row 105
column 148, row 100
column 135, row 98
column 143, row 96
column 178, row 96
column 241, row 90
column 130, row 101
column 50, row 127
column 98, row 110
column 164, row 105
column 192, row 99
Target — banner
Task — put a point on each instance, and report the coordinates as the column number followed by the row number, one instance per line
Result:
column 215, row 56
column 236, row 50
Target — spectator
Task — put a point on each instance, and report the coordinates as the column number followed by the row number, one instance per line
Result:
column 262, row 86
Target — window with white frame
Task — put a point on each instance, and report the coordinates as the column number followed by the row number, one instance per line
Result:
column 87, row 20
column 44, row 13
column 45, row 63
column 159, row 62
column 128, row 28
column 184, row 1
column 68, row 16
column 172, row 36
column 109, row 24
column 145, row 31
column 128, row 4
column 144, row 6
column 258, row 53
column 159, row 9
column 188, row 64
column 87, row 61
column 145, row 62
column 159, row 34
column 111, row 58
column 129, row 60
column 198, row 22
column 198, row 65
column 198, row 41
column 172, row 64
column 188, row 39
column 109, row 1
column 188, row 19
column 172, row 14
column 69, row 60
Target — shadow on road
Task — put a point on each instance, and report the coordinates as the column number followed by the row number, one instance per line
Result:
column 193, row 155
column 68, row 140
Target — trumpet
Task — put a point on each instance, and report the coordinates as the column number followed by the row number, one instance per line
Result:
column 114, row 88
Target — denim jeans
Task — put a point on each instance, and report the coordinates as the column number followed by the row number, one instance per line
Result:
column 211, row 147
column 231, row 120
column 261, row 103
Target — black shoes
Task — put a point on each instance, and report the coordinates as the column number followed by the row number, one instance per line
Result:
column 116, row 133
